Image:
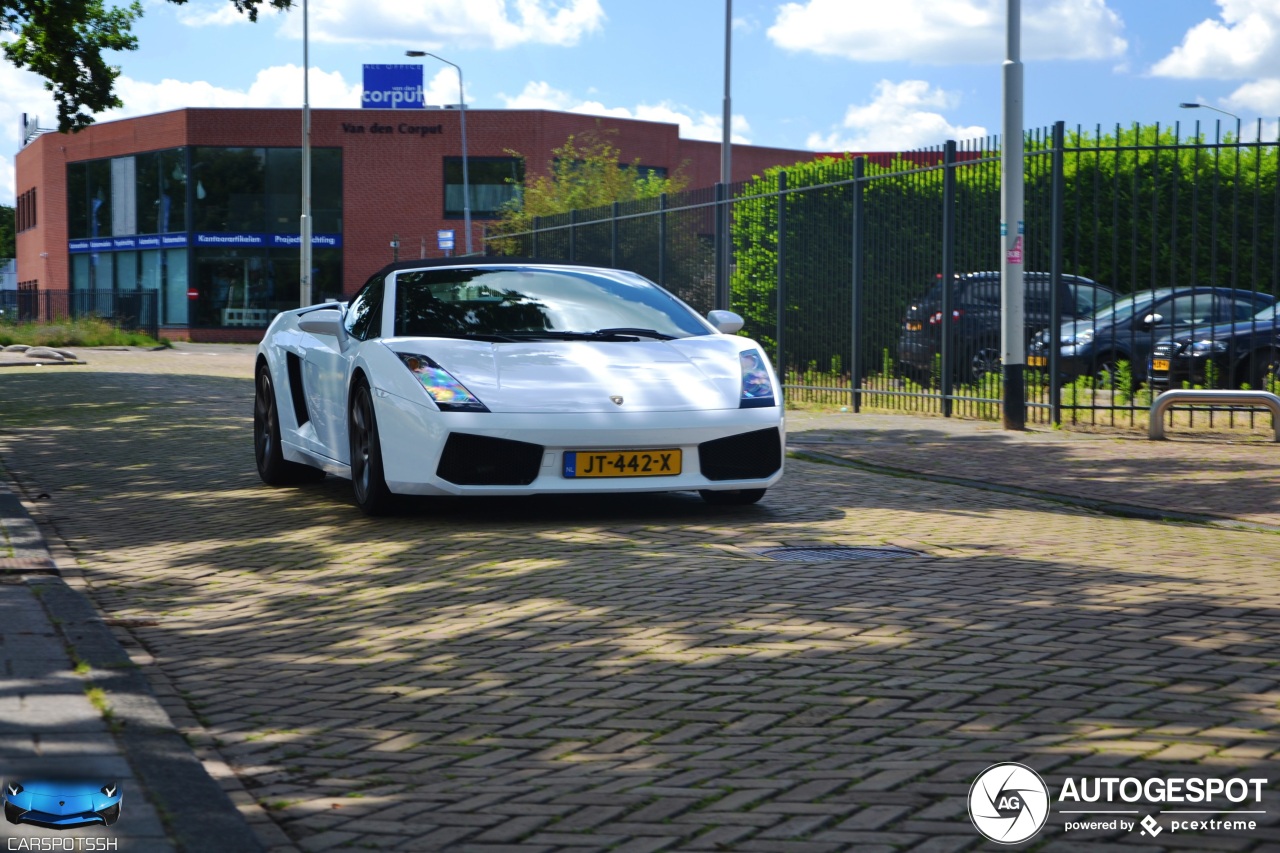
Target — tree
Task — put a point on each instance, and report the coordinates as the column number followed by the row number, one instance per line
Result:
column 64, row 41
column 585, row 172
column 8, row 239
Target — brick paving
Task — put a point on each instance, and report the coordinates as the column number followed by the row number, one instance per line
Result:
column 629, row 674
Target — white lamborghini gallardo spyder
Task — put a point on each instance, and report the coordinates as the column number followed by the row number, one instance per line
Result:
column 500, row 376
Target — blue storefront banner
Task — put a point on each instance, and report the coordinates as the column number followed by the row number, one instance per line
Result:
column 204, row 238
column 392, row 87
column 127, row 244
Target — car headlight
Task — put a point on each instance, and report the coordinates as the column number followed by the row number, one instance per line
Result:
column 13, row 789
column 1206, row 347
column 448, row 393
column 757, row 389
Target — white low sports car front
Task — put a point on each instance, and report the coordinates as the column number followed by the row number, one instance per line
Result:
column 483, row 376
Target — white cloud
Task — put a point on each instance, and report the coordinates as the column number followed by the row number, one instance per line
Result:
column 540, row 95
column 24, row 92
column 901, row 117
column 443, row 88
column 495, row 24
column 1261, row 97
column 1243, row 42
column 219, row 13
column 278, row 86
column 941, row 32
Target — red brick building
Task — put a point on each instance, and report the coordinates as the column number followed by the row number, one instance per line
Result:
column 202, row 205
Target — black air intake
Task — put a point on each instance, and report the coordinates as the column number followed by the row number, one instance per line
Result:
column 477, row 460
column 749, row 456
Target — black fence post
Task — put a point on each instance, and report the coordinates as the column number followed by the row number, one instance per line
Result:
column 859, row 273
column 947, row 326
column 573, row 235
column 613, row 237
column 721, row 299
column 537, row 226
column 781, row 289
column 1057, row 214
column 662, row 239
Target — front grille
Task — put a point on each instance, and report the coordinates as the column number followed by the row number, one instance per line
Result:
column 478, row 460
column 1164, row 350
column 749, row 456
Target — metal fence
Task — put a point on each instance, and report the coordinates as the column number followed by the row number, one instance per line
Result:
column 837, row 267
column 131, row 310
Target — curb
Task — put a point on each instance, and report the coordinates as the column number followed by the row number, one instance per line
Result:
column 1120, row 510
column 198, row 814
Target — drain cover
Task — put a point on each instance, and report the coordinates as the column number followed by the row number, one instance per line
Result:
column 837, row 552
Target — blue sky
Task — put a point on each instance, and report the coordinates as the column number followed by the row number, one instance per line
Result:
column 824, row 75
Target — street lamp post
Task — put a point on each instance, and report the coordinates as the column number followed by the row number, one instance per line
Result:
column 462, row 102
column 304, row 265
column 1189, row 106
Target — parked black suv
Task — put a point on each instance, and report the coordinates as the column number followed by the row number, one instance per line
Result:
column 975, row 318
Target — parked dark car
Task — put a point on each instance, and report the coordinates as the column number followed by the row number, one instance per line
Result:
column 975, row 318
column 1244, row 353
column 1127, row 329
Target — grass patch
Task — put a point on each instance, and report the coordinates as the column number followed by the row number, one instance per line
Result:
column 76, row 332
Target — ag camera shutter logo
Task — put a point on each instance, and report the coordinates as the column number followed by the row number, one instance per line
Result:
column 1008, row 803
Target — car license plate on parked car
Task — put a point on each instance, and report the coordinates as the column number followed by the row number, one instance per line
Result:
column 622, row 463
column 1036, row 361
column 1160, row 364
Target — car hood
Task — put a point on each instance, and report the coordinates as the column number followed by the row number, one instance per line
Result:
column 686, row 374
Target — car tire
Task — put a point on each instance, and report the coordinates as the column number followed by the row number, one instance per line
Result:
column 273, row 468
column 367, row 478
column 984, row 361
column 1265, row 369
column 110, row 815
column 739, row 497
column 12, row 813
column 1106, row 371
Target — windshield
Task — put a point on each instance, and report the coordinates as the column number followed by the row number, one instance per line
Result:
column 1125, row 307
column 522, row 302
column 1269, row 313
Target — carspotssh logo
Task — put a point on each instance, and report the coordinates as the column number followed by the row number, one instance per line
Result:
column 1008, row 803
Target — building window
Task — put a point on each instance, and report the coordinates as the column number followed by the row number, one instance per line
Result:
column 25, row 215
column 247, row 287
column 494, row 181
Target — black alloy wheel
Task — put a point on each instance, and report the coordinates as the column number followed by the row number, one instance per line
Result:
column 1264, row 375
column 740, row 497
column 371, row 492
column 273, row 468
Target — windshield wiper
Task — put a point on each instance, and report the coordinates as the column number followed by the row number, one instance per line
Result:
column 468, row 336
column 598, row 335
column 642, row 333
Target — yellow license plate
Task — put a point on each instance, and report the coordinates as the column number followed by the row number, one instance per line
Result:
column 1160, row 364
column 622, row 463
column 914, row 326
column 1037, row 361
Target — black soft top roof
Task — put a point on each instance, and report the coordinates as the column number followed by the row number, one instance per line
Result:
column 478, row 261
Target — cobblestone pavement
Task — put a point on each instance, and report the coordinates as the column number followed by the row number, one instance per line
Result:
column 629, row 673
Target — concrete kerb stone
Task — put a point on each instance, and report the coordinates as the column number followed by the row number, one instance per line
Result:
column 198, row 812
column 1106, row 507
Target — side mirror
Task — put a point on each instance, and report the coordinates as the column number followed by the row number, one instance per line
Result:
column 326, row 321
column 1151, row 321
column 726, row 322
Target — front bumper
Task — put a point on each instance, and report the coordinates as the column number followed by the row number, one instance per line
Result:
column 413, row 438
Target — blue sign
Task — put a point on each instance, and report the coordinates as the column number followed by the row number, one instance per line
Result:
column 445, row 238
column 392, row 87
column 126, row 244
